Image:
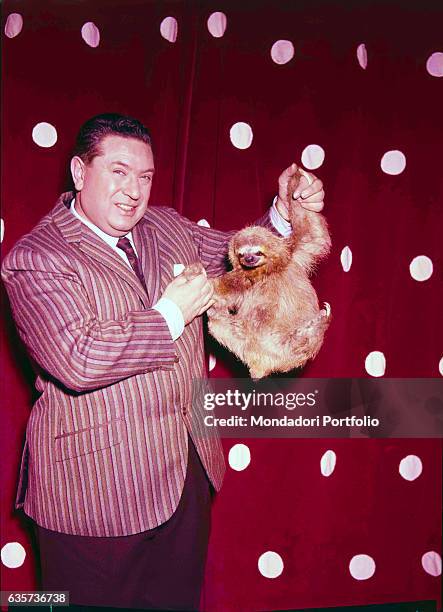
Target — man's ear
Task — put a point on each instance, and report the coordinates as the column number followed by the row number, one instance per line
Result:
column 78, row 172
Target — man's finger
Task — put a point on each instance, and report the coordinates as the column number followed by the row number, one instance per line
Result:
column 205, row 306
column 205, row 297
column 314, row 200
column 205, row 292
column 318, row 196
column 303, row 185
column 180, row 280
column 198, row 281
column 210, row 294
column 307, row 175
column 190, row 275
column 286, row 174
column 316, row 187
column 313, row 206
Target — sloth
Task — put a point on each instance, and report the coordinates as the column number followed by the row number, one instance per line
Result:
column 267, row 311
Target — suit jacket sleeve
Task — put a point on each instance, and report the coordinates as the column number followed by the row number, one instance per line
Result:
column 64, row 335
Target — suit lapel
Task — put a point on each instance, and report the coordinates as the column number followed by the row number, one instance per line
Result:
column 74, row 231
column 95, row 247
column 146, row 243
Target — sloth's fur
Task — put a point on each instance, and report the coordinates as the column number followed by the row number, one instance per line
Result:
column 267, row 312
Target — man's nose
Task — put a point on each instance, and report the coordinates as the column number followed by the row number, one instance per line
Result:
column 131, row 187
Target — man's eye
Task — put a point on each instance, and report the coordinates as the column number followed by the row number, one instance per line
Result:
column 147, row 178
column 120, row 172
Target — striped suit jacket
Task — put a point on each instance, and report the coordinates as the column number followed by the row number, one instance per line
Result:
column 106, row 442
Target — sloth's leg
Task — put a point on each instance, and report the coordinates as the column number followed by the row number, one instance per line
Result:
column 263, row 355
column 319, row 322
column 258, row 369
column 227, row 330
column 308, row 339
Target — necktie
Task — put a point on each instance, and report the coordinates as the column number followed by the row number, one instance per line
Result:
column 125, row 245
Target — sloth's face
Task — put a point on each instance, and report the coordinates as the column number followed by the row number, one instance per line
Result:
column 258, row 252
column 251, row 256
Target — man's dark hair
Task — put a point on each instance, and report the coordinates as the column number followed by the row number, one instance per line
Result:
column 92, row 133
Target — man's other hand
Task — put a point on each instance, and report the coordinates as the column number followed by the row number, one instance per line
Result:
column 309, row 193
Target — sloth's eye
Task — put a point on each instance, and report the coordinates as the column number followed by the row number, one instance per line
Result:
column 259, row 254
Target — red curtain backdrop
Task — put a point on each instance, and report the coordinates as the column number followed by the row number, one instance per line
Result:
column 357, row 108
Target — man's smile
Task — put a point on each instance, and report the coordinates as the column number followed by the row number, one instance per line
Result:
column 126, row 207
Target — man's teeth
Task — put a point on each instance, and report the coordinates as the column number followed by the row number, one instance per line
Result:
column 125, row 207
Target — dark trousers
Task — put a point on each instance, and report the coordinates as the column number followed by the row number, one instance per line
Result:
column 160, row 569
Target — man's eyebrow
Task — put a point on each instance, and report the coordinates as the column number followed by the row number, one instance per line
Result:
column 120, row 163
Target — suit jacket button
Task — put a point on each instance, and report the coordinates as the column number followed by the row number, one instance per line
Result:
column 184, row 411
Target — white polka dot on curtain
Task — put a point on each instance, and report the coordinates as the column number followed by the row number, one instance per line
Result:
column 410, row 467
column 91, row 34
column 328, row 462
column 434, row 64
column 362, row 56
column 169, row 29
column 346, row 258
column 13, row 25
column 241, row 135
column 375, row 363
column 393, row 162
column 362, row 567
column 313, row 156
column 13, row 555
column 421, row 268
column 431, row 563
column 212, row 362
column 217, row 24
column 44, row 135
column 203, row 223
column 282, row 51
column 239, row 457
column 270, row 564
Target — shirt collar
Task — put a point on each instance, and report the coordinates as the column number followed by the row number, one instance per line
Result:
column 111, row 240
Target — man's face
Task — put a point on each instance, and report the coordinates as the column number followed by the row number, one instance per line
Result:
column 114, row 188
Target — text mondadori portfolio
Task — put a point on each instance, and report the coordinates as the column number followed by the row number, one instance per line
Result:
column 285, row 421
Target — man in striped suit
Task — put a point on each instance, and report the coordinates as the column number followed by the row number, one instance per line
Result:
column 116, row 471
